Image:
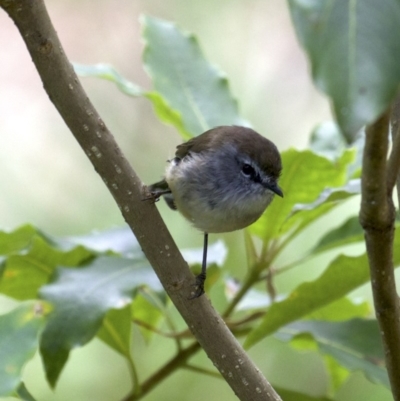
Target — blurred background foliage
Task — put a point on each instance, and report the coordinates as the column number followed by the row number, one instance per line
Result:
column 42, row 168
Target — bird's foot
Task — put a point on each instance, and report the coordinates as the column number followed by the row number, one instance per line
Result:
column 198, row 286
column 151, row 195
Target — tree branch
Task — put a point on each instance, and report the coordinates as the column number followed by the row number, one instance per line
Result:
column 68, row 96
column 377, row 218
column 394, row 172
column 176, row 362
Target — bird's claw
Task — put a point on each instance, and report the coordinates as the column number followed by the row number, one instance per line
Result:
column 199, row 286
column 153, row 196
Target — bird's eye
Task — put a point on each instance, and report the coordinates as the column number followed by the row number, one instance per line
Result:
column 247, row 169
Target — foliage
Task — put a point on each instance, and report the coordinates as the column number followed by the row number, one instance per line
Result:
column 97, row 287
column 359, row 75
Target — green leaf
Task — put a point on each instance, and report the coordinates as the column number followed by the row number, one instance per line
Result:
column 143, row 310
column 303, row 214
column 116, row 330
column 337, row 373
column 342, row 309
column 189, row 94
column 327, row 140
column 355, row 344
column 354, row 50
column 328, row 195
column 348, row 233
column 26, row 272
column 343, row 275
column 16, row 240
column 117, row 239
column 109, row 73
column 167, row 114
column 24, row 394
column 163, row 110
column 81, row 299
column 305, row 175
column 19, row 331
column 185, row 79
column 161, row 107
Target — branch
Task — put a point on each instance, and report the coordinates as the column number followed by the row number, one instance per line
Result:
column 377, row 218
column 394, row 166
column 68, row 96
column 176, row 362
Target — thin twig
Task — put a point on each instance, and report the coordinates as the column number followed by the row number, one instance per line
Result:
column 174, row 335
column 377, row 219
column 175, row 363
column 247, row 319
column 168, row 319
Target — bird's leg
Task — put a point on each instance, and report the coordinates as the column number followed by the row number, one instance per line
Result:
column 155, row 191
column 201, row 278
column 155, row 195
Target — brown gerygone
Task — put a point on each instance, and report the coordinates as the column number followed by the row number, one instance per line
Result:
column 221, row 181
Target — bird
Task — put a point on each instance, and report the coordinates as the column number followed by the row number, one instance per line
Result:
column 220, row 181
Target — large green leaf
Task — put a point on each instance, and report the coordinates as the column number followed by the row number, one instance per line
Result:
column 305, row 175
column 26, row 271
column 118, row 239
column 16, row 240
column 354, row 50
column 19, row 331
column 344, row 274
column 163, row 110
column 24, row 394
column 109, row 73
column 145, row 310
column 342, row 309
column 304, row 214
column 355, row 344
column 116, row 330
column 337, row 373
column 185, row 79
column 347, row 233
column 189, row 92
column 81, row 299
column 327, row 140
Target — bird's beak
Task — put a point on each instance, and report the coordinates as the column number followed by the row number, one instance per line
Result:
column 275, row 188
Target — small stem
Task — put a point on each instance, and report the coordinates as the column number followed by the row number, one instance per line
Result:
column 246, row 319
column 251, row 252
column 268, row 254
column 292, row 265
column 270, row 284
column 170, row 367
column 174, row 335
column 168, row 319
column 134, row 376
